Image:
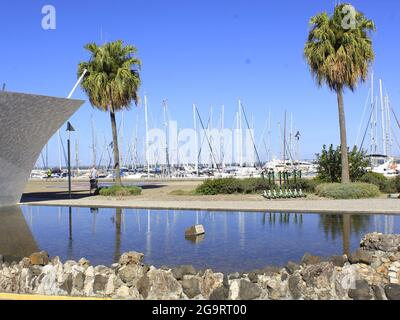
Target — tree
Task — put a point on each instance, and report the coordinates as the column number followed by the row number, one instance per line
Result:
column 330, row 164
column 111, row 83
column 339, row 54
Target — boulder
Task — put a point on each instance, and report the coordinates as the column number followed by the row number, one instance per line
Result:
column 339, row 261
column 291, row 267
column 131, row 257
column 361, row 256
column 392, row 291
column 195, row 230
column 163, row 285
column 39, row 258
column 209, row 282
column 181, row 271
column 309, row 259
column 253, row 277
column 382, row 242
column 318, row 275
column 191, row 287
column 143, row 286
column 295, row 285
column 131, row 273
column 361, row 292
column 241, row 289
column 100, row 283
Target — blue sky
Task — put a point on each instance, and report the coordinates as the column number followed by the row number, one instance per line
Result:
column 203, row 52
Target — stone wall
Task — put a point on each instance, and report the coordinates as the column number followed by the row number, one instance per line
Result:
column 372, row 272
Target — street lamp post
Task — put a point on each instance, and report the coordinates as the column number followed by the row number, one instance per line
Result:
column 70, row 128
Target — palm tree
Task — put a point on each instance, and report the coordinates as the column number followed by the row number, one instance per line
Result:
column 111, row 83
column 340, row 56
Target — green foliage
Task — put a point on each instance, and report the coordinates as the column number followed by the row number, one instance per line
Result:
column 347, row 190
column 112, row 79
column 387, row 185
column 338, row 56
column 120, row 191
column 249, row 185
column 330, row 165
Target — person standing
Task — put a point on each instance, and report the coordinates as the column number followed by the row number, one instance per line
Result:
column 93, row 179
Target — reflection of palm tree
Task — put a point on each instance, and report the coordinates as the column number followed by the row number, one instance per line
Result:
column 117, row 252
column 343, row 225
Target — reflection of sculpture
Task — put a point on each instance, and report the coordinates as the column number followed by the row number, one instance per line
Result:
column 195, row 239
column 16, row 239
column 27, row 122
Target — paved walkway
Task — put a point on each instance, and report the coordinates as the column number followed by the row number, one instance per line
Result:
column 390, row 206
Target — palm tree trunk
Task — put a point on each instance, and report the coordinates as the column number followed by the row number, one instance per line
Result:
column 343, row 138
column 116, row 150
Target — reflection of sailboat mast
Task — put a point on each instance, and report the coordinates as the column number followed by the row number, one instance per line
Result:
column 70, row 248
column 148, row 235
column 241, row 229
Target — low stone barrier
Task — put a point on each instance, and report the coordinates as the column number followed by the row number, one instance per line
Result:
column 370, row 273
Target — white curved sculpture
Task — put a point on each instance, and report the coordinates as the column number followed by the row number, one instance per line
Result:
column 27, row 122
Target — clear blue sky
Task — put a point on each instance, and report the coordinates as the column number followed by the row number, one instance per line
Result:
column 203, row 52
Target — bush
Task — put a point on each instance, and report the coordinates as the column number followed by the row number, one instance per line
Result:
column 249, row 185
column 347, row 190
column 120, row 191
column 387, row 185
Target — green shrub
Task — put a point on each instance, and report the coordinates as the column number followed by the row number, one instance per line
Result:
column 356, row 190
column 120, row 191
column 387, row 185
column 397, row 183
column 249, row 185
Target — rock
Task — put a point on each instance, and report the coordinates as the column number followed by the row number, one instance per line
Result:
column 339, row 261
column 221, row 293
column 360, row 256
column 191, row 287
column 131, row 257
column 295, row 285
column 241, row 289
column 361, row 292
column 269, row 271
column 25, row 262
column 234, row 275
column 130, row 273
column 309, row 259
column 143, row 286
column 122, row 293
column 48, row 283
column 84, row 262
column 67, row 285
column 291, row 267
column 100, row 283
column 318, row 275
column 39, row 258
column 195, row 230
column 209, row 282
column 253, row 277
column 392, row 291
column 181, row 271
column 78, row 281
column 163, row 285
column 383, row 242
column 379, row 293
column 393, row 258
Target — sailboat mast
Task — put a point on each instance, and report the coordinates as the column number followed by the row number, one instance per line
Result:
column 166, row 137
column 222, row 141
column 383, row 119
column 240, row 135
column 93, row 142
column 284, row 140
column 147, row 137
column 196, row 146
column 59, row 149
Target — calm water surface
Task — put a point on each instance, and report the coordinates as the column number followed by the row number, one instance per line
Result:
column 234, row 241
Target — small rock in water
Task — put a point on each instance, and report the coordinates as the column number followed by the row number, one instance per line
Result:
column 195, row 230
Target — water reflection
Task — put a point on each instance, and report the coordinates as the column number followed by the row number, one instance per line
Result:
column 16, row 239
column 234, row 241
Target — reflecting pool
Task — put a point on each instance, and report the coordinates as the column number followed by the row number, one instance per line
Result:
column 234, row 241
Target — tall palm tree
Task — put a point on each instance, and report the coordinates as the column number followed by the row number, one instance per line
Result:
column 339, row 56
column 111, row 83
